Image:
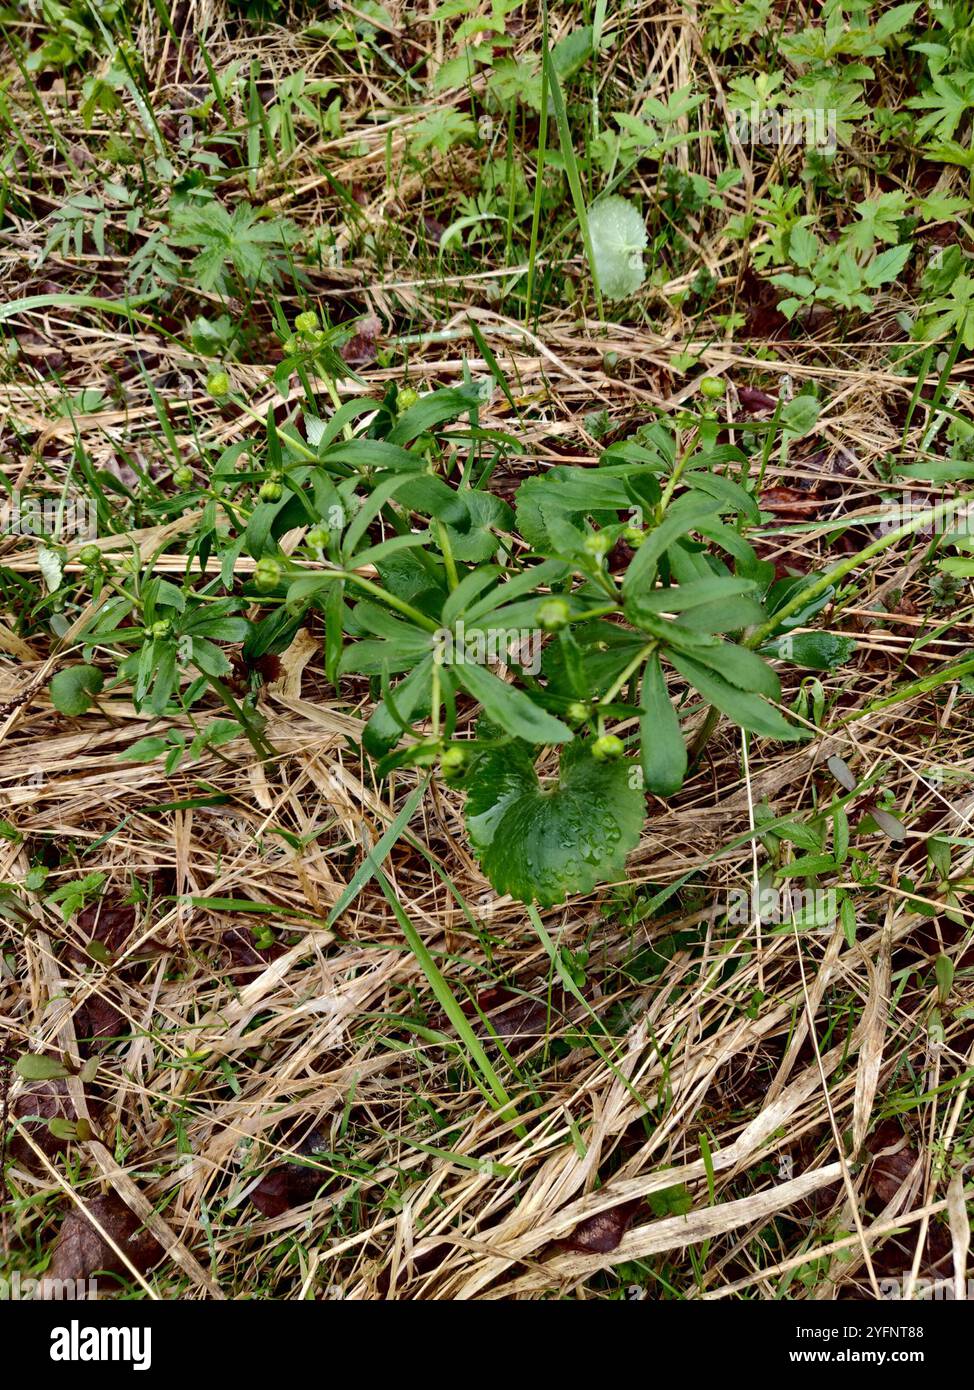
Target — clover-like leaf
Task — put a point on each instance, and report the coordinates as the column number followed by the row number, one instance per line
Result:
column 541, row 843
column 74, row 688
column 618, row 234
column 473, row 540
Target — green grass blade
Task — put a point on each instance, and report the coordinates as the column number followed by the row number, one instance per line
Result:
column 490, row 1082
column 553, row 85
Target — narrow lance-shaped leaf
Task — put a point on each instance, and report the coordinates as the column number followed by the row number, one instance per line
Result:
column 750, row 711
column 515, row 712
column 664, row 753
column 681, row 518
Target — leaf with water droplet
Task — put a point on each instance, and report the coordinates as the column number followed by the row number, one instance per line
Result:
column 541, row 843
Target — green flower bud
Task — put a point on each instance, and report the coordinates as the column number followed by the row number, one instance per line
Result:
column 183, row 477
column 89, row 555
column 406, row 399
column 633, row 536
column 454, row 759
column 306, row 322
column 712, row 387
column 267, row 575
column 608, row 747
column 598, row 544
column 425, row 754
column 318, row 537
column 271, row 491
column 577, row 712
column 610, row 362
column 218, row 384
column 159, row 629
column 553, row 613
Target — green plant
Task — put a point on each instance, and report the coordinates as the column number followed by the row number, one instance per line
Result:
column 592, row 643
column 618, row 240
column 252, row 246
column 71, row 32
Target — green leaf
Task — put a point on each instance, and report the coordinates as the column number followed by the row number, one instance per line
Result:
column 887, row 265
column 618, row 232
column 958, row 568
column 125, row 308
column 750, row 711
column 243, row 239
column 803, row 247
column 530, row 580
column 740, row 667
column 431, row 496
column 808, row 866
column 74, row 688
column 552, row 86
column 944, row 971
column 572, row 52
column 473, row 540
column 543, row 843
column 497, row 779
column 800, row 416
column 664, row 754
column 62, row 1128
column 894, row 20
column 604, row 651
column 35, row 1068
column 681, row 518
column 693, row 595
column 796, row 833
column 491, row 1085
column 435, row 409
column 567, row 493
column 515, row 712
column 847, row 916
column 442, row 130
column 372, row 453
column 817, row 651
column 455, row 72
column 411, row 696
column 144, row 750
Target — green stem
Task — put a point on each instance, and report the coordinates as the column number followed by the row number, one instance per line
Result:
column 642, row 655
column 539, row 178
column 592, row 613
column 918, row 687
column 406, row 609
column 703, row 737
column 801, row 600
column 401, row 606
column 258, row 743
column 298, row 445
column 674, row 479
column 447, row 550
